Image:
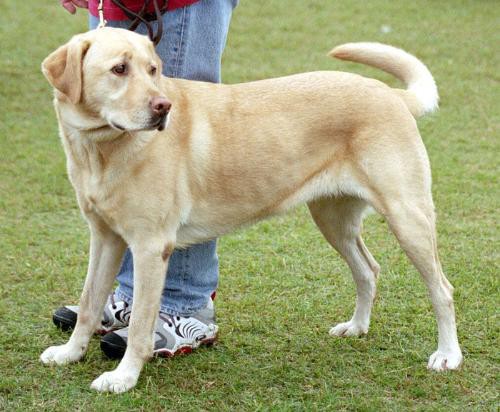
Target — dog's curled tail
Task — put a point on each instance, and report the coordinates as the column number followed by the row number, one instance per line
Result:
column 421, row 95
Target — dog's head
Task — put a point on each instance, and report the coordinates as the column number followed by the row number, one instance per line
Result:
column 113, row 75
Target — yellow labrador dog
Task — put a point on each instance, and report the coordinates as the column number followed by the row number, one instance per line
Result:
column 160, row 163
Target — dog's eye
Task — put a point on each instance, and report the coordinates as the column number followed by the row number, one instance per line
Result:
column 120, row 69
column 152, row 70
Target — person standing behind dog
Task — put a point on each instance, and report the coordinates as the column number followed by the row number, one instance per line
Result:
column 192, row 41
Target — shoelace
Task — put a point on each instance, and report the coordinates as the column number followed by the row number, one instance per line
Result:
column 170, row 319
column 187, row 330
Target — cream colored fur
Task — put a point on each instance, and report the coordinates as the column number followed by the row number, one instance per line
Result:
column 231, row 155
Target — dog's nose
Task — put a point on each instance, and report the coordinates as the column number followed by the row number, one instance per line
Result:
column 159, row 105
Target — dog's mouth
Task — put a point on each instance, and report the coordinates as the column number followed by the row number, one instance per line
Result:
column 159, row 124
column 117, row 126
column 155, row 124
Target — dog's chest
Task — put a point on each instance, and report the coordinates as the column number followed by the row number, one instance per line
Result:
column 97, row 193
column 95, row 187
column 97, row 200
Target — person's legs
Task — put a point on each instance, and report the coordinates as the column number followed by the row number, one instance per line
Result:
column 191, row 278
column 191, row 48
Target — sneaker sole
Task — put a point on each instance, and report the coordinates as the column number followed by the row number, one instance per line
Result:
column 113, row 351
column 184, row 350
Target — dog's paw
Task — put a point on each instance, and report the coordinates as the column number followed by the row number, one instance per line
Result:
column 61, row 355
column 348, row 329
column 114, row 381
column 442, row 361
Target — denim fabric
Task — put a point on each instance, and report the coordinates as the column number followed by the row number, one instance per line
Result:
column 191, row 48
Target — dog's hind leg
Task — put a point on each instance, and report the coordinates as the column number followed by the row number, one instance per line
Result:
column 412, row 219
column 340, row 221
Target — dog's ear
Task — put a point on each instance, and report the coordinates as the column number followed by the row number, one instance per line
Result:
column 63, row 68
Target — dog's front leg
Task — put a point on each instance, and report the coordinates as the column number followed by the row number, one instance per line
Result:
column 150, row 264
column 106, row 252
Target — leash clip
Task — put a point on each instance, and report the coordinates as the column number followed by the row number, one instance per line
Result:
column 102, row 22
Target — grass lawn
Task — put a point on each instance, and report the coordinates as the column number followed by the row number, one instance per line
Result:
column 281, row 286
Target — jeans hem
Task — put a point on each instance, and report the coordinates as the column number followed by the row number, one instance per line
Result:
column 175, row 312
column 120, row 295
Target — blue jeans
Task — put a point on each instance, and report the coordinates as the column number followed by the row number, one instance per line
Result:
column 191, row 48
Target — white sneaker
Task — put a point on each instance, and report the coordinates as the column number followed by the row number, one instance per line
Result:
column 174, row 335
column 115, row 316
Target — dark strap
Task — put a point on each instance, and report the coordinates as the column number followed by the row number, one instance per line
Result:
column 145, row 17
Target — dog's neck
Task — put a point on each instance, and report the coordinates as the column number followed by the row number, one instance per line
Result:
column 91, row 143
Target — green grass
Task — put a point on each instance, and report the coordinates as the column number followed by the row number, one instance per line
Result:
column 281, row 287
